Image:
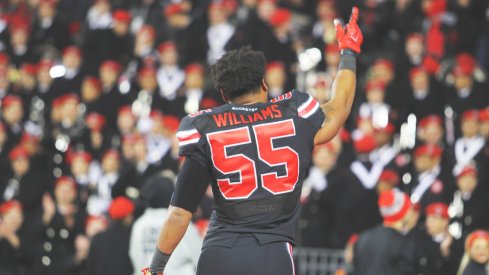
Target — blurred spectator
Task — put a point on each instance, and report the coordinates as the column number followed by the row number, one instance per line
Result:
column 430, row 130
column 69, row 78
column 429, row 183
column 468, row 148
column 11, row 219
column 476, row 258
column 50, row 30
column 12, row 114
column 113, row 42
column 109, row 252
column 169, row 75
column 468, row 203
column 383, row 249
column 433, row 245
column 62, row 220
column 275, row 78
column 156, row 194
column 21, row 181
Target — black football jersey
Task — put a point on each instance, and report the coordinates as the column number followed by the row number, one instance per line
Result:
column 258, row 156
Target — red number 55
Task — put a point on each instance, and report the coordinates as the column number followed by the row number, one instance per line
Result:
column 228, row 163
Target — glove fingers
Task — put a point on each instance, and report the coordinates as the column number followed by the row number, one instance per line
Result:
column 353, row 16
column 340, row 30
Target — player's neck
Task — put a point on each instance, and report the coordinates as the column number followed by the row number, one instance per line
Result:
column 251, row 98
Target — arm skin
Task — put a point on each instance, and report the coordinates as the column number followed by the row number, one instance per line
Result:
column 336, row 110
column 174, row 229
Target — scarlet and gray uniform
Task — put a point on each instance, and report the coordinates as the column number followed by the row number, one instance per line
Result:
column 255, row 157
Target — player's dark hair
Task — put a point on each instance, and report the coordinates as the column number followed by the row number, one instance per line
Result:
column 239, row 72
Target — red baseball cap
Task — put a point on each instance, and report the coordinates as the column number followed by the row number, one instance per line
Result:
column 120, row 208
column 438, row 209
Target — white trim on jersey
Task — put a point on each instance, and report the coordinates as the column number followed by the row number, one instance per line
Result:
column 308, row 108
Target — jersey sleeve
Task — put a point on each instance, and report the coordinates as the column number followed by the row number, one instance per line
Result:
column 190, row 140
column 188, row 137
column 309, row 109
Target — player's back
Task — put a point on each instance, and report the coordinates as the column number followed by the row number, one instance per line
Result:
column 259, row 155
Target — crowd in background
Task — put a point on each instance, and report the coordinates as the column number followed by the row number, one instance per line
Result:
column 92, row 92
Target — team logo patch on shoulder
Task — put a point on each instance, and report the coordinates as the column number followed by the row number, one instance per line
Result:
column 198, row 113
column 282, row 97
column 437, row 187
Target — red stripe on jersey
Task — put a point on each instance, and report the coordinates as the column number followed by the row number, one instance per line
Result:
column 309, row 108
column 189, row 137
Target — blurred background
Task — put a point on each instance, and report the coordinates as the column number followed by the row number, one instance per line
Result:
column 92, row 92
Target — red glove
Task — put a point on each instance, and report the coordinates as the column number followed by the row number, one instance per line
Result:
column 349, row 37
column 147, row 272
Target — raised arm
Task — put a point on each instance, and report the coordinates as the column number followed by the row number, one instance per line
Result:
column 336, row 110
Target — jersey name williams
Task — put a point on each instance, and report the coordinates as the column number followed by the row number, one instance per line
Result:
column 231, row 118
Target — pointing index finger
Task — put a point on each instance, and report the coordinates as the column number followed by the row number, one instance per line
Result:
column 354, row 15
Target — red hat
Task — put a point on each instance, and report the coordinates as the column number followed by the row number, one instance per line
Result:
column 19, row 24
column 65, row 180
column 26, row 137
column 69, row 97
column 125, row 110
column 468, row 170
column 95, row 82
column 484, row 114
column 122, row 16
column 171, row 123
column 417, row 36
column 375, row 85
column 4, row 59
column 86, row 157
column 416, row 70
column 389, row 176
column 388, row 129
column 462, row 70
column 467, row 60
column 168, row 45
column 95, row 121
column 18, row 152
column 111, row 65
column 478, row 234
column 438, row 209
column 275, row 65
column 194, row 68
column 120, row 208
column 332, row 48
column 156, row 115
column 472, row 114
column 393, row 205
column 29, row 68
column 147, row 71
column 435, row 7
column 365, row 143
column 57, row 102
column 45, row 64
column 431, row 119
column 11, row 99
column 72, row 50
column 111, row 153
column 432, row 150
column 280, row 17
column 173, row 9
column 384, row 62
column 6, row 206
